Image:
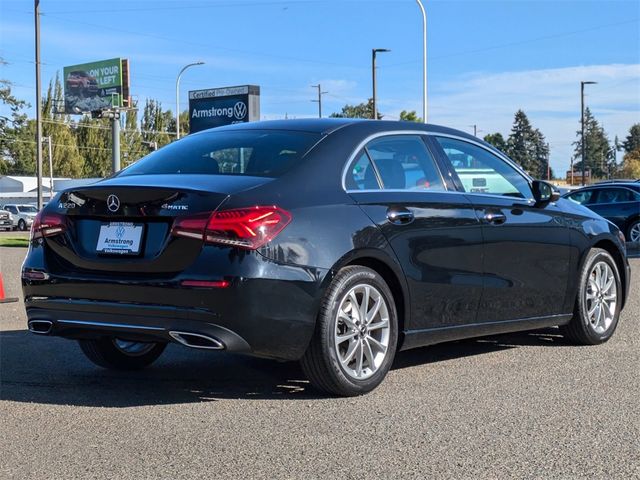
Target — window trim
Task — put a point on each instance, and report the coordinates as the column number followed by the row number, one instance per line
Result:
column 362, row 146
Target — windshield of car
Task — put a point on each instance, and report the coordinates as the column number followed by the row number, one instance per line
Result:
column 259, row 153
column 27, row 209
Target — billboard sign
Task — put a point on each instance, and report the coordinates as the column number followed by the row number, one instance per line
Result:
column 215, row 107
column 96, row 86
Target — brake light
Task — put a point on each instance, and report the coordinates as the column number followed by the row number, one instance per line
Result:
column 47, row 225
column 248, row 228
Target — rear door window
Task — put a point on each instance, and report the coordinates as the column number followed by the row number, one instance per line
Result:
column 404, row 163
column 615, row 195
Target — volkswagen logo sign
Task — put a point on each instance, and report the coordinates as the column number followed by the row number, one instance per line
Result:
column 113, row 203
column 239, row 110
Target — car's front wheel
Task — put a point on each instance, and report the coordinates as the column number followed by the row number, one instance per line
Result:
column 356, row 334
column 117, row 354
column 22, row 225
column 597, row 307
column 633, row 231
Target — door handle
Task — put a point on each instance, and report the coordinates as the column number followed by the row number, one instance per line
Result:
column 400, row 216
column 495, row 218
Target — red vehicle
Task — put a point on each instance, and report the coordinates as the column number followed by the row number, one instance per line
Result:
column 81, row 82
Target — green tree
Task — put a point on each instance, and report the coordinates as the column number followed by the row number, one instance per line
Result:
column 540, row 155
column 157, row 124
column 12, row 128
column 497, row 140
column 67, row 161
column 597, row 149
column 93, row 137
column 362, row 110
column 631, row 164
column 131, row 145
column 632, row 142
column 411, row 116
column 522, row 144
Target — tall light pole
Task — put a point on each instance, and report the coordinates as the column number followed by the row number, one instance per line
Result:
column 319, row 100
column 424, row 61
column 373, row 75
column 38, row 105
column 178, row 96
column 582, row 84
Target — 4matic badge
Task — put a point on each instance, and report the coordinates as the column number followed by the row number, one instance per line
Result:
column 166, row 206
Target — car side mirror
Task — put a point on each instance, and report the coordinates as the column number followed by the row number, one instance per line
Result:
column 544, row 192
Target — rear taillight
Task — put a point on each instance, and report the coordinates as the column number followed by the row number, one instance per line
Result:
column 248, row 228
column 47, row 225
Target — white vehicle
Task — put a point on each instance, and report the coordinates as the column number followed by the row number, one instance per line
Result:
column 21, row 215
column 6, row 222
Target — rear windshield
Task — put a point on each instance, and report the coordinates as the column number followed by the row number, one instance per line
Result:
column 258, row 153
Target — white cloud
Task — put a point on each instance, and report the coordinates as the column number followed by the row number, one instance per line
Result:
column 550, row 98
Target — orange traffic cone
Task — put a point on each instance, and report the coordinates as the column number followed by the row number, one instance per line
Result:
column 3, row 299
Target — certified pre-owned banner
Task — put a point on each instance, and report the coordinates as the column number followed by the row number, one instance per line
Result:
column 92, row 87
column 216, row 107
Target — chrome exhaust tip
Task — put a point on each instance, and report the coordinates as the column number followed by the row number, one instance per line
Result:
column 41, row 327
column 197, row 340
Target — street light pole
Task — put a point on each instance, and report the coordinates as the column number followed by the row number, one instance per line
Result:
column 582, row 84
column 178, row 96
column 38, row 105
column 319, row 100
column 424, row 61
column 374, row 51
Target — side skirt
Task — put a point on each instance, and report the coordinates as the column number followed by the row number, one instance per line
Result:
column 430, row 336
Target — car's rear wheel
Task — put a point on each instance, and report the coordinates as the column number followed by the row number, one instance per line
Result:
column 356, row 334
column 633, row 231
column 22, row 225
column 118, row 354
column 598, row 305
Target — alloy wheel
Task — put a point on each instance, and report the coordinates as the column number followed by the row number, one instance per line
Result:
column 362, row 331
column 601, row 297
column 634, row 232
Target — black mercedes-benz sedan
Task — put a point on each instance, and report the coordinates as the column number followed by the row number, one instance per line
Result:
column 333, row 242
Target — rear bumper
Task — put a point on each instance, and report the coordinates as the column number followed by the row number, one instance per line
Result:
column 269, row 311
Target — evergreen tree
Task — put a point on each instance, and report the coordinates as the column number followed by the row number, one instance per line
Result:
column 497, row 140
column 12, row 138
column 156, row 124
column 94, row 141
column 597, row 149
column 541, row 155
column 522, row 144
column 131, row 139
column 632, row 142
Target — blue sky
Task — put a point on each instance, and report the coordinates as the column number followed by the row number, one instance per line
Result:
column 486, row 59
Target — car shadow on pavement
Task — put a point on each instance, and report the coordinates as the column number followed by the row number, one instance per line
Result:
column 54, row 371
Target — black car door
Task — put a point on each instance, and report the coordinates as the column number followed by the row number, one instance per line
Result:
column 434, row 232
column 527, row 249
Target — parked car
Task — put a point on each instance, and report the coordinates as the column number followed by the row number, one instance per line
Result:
column 336, row 242
column 22, row 215
column 6, row 222
column 617, row 202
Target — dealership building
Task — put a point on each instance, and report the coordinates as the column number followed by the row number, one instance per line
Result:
column 19, row 189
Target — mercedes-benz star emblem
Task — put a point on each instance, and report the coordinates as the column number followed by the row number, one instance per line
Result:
column 239, row 110
column 113, row 203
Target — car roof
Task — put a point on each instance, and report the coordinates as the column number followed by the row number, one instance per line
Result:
column 326, row 126
column 599, row 186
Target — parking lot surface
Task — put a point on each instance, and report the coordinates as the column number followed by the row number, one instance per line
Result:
column 511, row 406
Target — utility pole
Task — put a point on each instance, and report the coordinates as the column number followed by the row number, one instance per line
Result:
column 48, row 139
column 374, row 51
column 319, row 100
column 38, row 105
column 582, row 84
column 115, row 140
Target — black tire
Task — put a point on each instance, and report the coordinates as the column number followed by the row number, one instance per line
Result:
column 320, row 362
column 22, row 225
column 580, row 329
column 105, row 353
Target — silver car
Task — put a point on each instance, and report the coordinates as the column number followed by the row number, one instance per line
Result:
column 21, row 215
column 6, row 222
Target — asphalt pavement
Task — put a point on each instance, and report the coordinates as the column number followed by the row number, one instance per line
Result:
column 522, row 405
